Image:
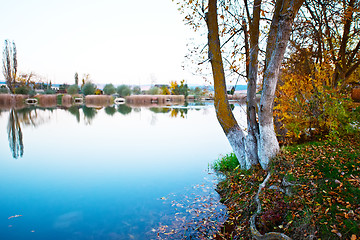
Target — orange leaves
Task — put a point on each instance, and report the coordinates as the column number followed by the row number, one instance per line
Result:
column 307, row 106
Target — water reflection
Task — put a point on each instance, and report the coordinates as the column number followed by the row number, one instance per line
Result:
column 15, row 135
column 32, row 117
column 107, row 180
column 159, row 110
column 183, row 112
column 89, row 114
column 110, row 110
column 124, row 109
column 74, row 110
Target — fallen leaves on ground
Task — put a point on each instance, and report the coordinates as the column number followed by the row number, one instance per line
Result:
column 314, row 192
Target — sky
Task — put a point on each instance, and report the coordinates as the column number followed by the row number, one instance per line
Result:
column 115, row 41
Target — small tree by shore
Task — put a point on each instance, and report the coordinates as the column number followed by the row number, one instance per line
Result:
column 73, row 89
column 109, row 89
column 88, row 88
column 123, row 90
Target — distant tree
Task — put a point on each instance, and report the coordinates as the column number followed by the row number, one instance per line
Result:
column 10, row 64
column 61, row 87
column 197, row 92
column 85, row 79
column 76, row 79
column 109, row 89
column 174, row 88
column 165, row 90
column 88, row 88
column 136, row 90
column 49, row 91
column 73, row 89
column 154, row 91
column 181, row 89
column 123, row 90
column 184, row 89
column 22, row 90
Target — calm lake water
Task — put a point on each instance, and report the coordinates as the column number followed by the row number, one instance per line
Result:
column 106, row 173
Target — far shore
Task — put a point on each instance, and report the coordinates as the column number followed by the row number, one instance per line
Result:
column 18, row 101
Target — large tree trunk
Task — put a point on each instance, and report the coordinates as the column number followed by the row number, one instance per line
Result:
column 268, row 143
column 253, row 128
column 261, row 137
column 223, row 111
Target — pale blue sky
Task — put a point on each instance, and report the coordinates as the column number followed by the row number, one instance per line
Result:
column 115, row 41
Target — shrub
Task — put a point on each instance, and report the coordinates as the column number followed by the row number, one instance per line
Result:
column 123, row 90
column 109, row 89
column 50, row 91
column 73, row 89
column 136, row 90
column 88, row 89
column 154, row 91
column 32, row 92
column 22, row 90
column 309, row 107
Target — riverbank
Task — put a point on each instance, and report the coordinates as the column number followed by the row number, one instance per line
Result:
column 19, row 101
column 313, row 193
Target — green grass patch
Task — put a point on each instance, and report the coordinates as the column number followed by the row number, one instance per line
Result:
column 225, row 164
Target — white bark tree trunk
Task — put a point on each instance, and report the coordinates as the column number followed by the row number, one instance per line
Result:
column 261, row 142
column 268, row 143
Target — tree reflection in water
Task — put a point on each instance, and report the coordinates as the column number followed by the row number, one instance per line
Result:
column 74, row 110
column 110, row 110
column 89, row 114
column 15, row 136
column 124, row 109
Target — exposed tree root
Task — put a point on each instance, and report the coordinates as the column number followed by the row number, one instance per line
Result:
column 255, row 233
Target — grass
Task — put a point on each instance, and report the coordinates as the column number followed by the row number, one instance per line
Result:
column 225, row 164
column 322, row 200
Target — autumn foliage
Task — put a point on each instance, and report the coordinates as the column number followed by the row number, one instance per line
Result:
column 308, row 106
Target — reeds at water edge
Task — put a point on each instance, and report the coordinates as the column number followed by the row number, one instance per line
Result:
column 9, row 101
column 98, row 100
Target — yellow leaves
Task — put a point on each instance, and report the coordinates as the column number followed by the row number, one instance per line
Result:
column 173, row 85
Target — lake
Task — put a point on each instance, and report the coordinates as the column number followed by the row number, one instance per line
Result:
column 108, row 173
